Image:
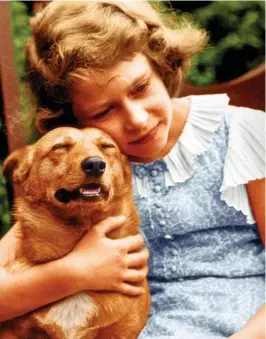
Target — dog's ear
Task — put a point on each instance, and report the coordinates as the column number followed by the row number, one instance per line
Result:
column 17, row 165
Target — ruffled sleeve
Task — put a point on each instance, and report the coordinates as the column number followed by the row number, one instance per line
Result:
column 245, row 156
column 206, row 114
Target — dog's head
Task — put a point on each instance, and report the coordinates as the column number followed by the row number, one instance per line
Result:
column 71, row 168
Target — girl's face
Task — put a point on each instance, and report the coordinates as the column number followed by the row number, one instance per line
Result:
column 130, row 103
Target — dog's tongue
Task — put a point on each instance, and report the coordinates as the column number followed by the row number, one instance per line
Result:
column 90, row 190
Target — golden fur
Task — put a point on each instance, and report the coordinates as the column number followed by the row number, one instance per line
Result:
column 49, row 229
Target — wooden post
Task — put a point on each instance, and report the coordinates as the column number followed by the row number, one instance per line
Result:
column 9, row 83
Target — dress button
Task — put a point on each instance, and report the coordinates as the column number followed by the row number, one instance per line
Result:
column 168, row 236
column 157, row 189
column 162, row 223
column 174, row 252
column 174, row 268
column 154, row 173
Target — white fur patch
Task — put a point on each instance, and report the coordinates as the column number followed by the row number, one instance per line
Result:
column 71, row 313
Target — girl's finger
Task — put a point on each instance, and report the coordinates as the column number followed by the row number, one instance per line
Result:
column 135, row 276
column 131, row 290
column 138, row 259
column 132, row 243
column 109, row 224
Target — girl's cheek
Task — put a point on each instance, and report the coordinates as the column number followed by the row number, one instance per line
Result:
column 83, row 123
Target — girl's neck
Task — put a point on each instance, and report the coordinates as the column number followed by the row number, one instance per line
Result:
column 181, row 109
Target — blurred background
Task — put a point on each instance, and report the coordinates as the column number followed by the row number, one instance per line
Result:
column 232, row 63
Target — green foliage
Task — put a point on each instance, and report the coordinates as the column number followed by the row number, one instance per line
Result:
column 171, row 18
column 237, row 40
column 5, row 220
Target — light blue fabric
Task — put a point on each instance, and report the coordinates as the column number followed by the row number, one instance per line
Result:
column 207, row 263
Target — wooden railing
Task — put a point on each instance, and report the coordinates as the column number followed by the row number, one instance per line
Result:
column 247, row 91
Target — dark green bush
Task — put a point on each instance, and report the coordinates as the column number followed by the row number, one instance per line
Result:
column 5, row 219
column 237, row 40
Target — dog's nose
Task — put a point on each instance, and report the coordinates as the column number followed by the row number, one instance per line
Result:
column 93, row 166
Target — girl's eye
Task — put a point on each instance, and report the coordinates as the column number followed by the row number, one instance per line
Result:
column 141, row 89
column 103, row 113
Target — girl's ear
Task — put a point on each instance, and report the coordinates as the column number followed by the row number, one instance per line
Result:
column 18, row 164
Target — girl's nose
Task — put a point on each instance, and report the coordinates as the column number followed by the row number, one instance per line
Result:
column 135, row 116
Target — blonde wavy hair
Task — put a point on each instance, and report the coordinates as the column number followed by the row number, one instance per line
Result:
column 70, row 39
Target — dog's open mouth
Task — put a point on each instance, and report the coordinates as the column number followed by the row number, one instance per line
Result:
column 90, row 191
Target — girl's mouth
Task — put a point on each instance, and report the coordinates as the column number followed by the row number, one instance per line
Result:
column 145, row 138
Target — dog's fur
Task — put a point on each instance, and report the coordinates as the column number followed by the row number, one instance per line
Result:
column 49, row 229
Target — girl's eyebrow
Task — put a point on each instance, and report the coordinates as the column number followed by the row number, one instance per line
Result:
column 145, row 75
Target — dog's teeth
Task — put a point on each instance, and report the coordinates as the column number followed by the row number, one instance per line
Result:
column 90, row 192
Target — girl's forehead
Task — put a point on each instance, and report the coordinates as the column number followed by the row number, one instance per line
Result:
column 126, row 71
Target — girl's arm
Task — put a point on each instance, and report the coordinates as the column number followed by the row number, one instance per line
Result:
column 256, row 195
column 40, row 285
column 96, row 263
column 254, row 329
column 8, row 245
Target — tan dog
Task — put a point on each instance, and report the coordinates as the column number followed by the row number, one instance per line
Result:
column 70, row 180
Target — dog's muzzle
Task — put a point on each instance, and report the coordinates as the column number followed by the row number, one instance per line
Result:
column 93, row 167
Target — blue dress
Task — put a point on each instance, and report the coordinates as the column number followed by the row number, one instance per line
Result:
column 207, row 260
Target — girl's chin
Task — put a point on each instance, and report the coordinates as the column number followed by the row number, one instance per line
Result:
column 152, row 149
column 146, row 154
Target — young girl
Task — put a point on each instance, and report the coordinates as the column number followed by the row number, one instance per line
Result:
column 197, row 163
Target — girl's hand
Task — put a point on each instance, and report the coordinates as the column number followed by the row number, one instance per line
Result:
column 101, row 263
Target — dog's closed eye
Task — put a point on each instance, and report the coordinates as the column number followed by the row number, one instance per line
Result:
column 106, row 145
column 62, row 146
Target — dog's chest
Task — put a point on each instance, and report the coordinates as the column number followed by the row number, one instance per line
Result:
column 71, row 314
